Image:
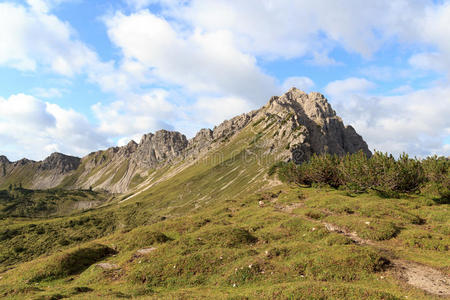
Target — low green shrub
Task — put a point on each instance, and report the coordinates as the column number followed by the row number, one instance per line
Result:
column 357, row 173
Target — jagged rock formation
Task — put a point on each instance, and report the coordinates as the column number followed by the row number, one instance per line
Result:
column 299, row 124
column 308, row 125
column 158, row 147
column 37, row 175
column 59, row 163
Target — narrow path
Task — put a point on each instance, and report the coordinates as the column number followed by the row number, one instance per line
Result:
column 420, row 276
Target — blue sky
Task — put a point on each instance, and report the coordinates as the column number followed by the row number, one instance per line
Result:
column 78, row 75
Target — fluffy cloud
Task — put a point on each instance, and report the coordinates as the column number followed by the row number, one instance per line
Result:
column 216, row 110
column 135, row 115
column 210, row 52
column 296, row 28
column 346, row 87
column 44, row 6
column 39, row 128
column 433, row 29
column 201, row 62
column 48, row 93
column 416, row 122
column 34, row 40
column 302, row 83
column 42, row 39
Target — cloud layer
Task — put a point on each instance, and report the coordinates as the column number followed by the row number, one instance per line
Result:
column 37, row 128
column 189, row 64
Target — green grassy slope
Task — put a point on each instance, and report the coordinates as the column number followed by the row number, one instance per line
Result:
column 20, row 202
column 22, row 175
column 221, row 228
column 237, row 248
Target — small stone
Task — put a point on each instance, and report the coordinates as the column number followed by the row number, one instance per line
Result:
column 261, row 203
column 367, row 223
column 107, row 266
column 145, row 251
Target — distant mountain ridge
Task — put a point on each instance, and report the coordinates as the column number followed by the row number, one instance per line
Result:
column 303, row 124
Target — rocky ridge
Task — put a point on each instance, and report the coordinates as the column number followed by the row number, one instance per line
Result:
column 302, row 124
column 37, row 175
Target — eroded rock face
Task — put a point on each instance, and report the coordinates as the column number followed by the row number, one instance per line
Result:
column 308, row 124
column 162, row 146
column 60, row 163
column 230, row 127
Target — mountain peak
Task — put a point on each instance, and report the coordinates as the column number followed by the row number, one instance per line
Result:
column 314, row 105
column 61, row 162
column 4, row 159
column 309, row 125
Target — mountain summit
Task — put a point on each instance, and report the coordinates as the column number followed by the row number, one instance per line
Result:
column 289, row 127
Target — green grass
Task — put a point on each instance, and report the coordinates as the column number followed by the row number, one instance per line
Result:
column 20, row 202
column 69, row 263
column 234, row 248
column 211, row 238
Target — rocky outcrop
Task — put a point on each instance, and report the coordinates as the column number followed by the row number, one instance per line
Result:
column 162, row 146
column 308, row 124
column 299, row 124
column 230, row 127
column 59, row 163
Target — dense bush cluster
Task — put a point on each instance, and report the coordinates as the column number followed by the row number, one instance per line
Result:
column 381, row 172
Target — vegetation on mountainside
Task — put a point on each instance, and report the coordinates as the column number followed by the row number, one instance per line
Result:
column 238, row 248
column 221, row 228
column 19, row 202
column 381, row 172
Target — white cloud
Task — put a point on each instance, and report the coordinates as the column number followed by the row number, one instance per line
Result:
column 48, row 93
column 348, row 87
column 40, row 39
column 295, row 28
column 201, row 62
column 139, row 4
column 215, row 110
column 303, row 83
column 34, row 40
column 323, row 59
column 39, row 128
column 137, row 114
column 403, row 89
column 414, row 122
column 44, row 6
column 212, row 50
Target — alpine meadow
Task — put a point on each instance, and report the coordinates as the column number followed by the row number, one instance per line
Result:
column 127, row 194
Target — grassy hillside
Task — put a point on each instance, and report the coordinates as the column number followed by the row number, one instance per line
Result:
column 270, row 244
column 221, row 227
column 20, row 202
